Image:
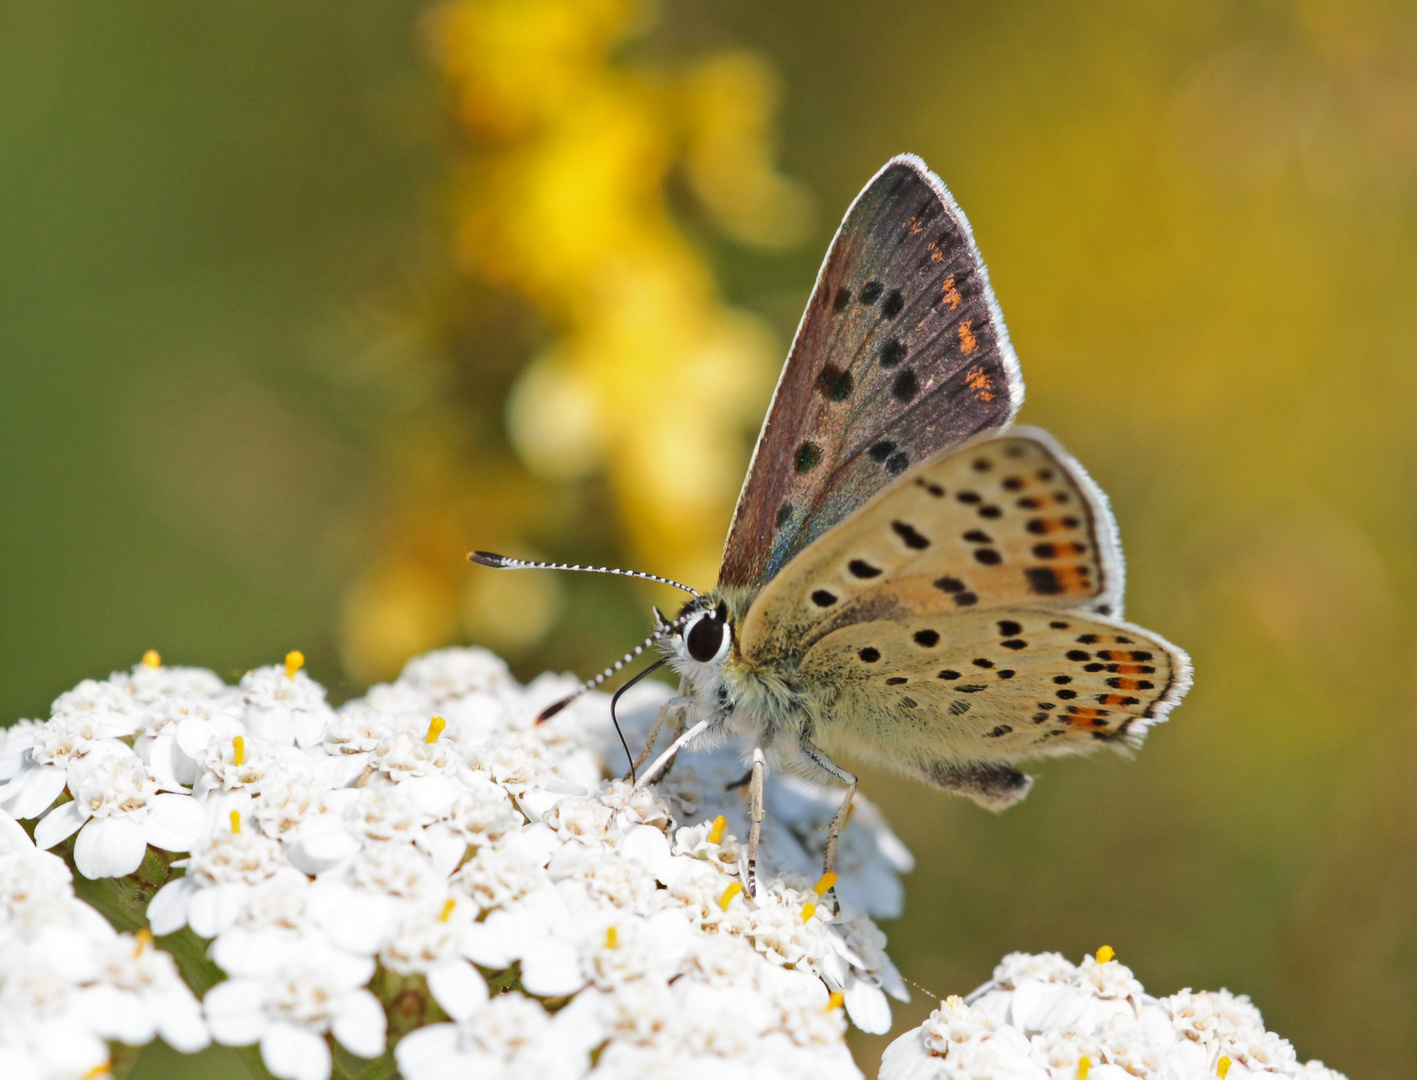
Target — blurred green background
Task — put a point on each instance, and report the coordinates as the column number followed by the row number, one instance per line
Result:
column 273, row 356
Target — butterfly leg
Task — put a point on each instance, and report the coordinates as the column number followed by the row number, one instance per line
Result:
column 832, row 769
column 755, row 816
column 674, row 705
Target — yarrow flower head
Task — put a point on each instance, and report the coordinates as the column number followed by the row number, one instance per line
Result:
column 431, row 844
column 69, row 983
column 428, row 880
column 1044, row 1018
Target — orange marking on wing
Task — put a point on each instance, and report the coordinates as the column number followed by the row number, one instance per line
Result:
column 978, row 380
column 936, row 255
column 948, row 291
column 966, row 337
column 1125, row 684
column 915, row 226
column 1117, row 699
column 1132, row 669
column 1043, row 526
column 1087, row 719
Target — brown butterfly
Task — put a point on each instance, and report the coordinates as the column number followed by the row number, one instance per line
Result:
column 902, row 584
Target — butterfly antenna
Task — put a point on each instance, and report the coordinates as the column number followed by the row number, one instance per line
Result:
column 506, row 562
column 616, row 720
column 590, row 684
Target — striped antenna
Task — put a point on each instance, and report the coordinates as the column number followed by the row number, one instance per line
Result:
column 590, row 684
column 506, row 562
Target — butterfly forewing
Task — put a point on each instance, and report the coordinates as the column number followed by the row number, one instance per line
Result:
column 1004, row 522
column 927, row 690
column 901, row 353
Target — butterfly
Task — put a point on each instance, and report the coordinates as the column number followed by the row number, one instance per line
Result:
column 907, row 580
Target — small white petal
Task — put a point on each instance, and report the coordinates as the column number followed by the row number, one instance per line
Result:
column 458, row 988
column 430, row 1053
column 109, row 847
column 907, row 1059
column 167, row 911
column 359, row 1025
column 34, row 791
column 13, row 838
column 245, row 953
column 579, row 1025
column 118, row 1016
column 649, row 846
column 179, row 1022
column 175, row 822
column 444, row 847
column 360, row 923
column 892, row 983
column 161, row 757
column 324, row 838
column 59, row 824
column 538, row 842
column 292, row 1053
column 494, row 943
column 345, row 969
column 867, row 1006
column 68, row 1049
column 434, row 795
column 213, row 909
column 535, row 804
column 550, row 967
column 236, row 1011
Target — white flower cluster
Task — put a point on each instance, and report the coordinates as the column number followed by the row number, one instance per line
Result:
column 433, row 839
column 1042, row 1018
column 70, row 983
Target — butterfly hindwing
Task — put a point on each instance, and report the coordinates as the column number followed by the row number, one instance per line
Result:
column 1009, row 521
column 931, row 692
column 901, row 353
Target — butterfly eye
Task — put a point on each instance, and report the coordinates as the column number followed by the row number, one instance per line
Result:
column 707, row 637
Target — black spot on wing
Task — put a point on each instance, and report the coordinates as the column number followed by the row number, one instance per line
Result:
column 949, row 585
column 807, row 458
column 912, row 537
column 1043, row 580
column 892, row 353
column 835, row 384
column 881, row 450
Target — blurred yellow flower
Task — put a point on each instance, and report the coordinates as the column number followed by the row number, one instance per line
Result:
column 649, row 378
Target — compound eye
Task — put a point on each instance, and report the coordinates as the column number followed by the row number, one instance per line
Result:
column 707, row 638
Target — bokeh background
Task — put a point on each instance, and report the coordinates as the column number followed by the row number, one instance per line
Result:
column 299, row 302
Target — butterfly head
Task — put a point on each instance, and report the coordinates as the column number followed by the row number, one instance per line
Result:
column 698, row 639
